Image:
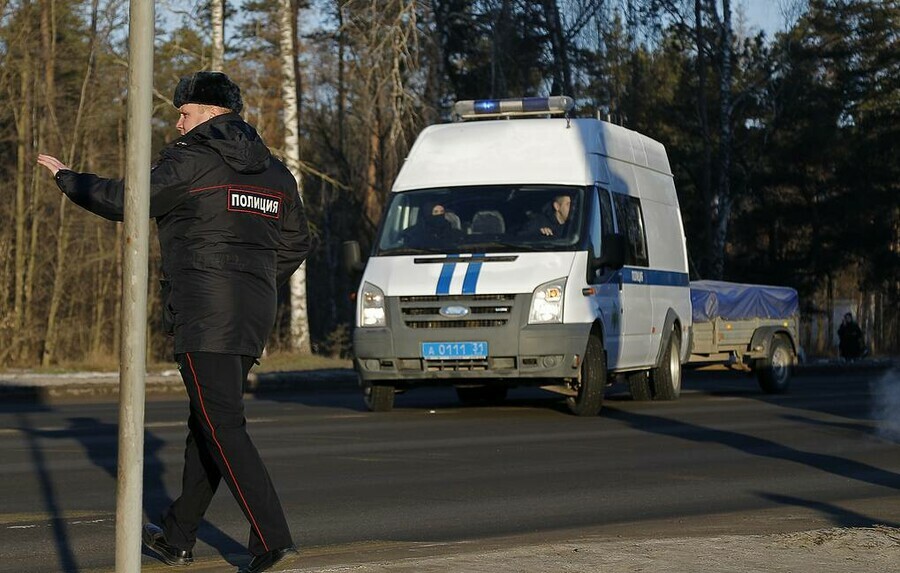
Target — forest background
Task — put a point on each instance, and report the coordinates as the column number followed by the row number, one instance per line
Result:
column 784, row 147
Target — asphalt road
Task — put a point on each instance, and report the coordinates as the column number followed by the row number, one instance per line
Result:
column 356, row 483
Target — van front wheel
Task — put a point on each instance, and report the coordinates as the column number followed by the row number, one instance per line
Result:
column 591, row 381
column 379, row 398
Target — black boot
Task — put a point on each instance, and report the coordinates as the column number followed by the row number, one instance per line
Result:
column 155, row 540
column 264, row 562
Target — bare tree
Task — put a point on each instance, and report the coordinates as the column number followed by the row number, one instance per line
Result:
column 287, row 13
column 384, row 39
column 23, row 138
column 714, row 179
column 723, row 201
column 705, row 179
column 217, row 21
column 562, row 71
column 23, row 115
column 48, row 47
column 60, row 269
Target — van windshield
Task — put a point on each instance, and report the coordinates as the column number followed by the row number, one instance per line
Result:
column 497, row 218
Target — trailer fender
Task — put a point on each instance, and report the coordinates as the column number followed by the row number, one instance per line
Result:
column 762, row 340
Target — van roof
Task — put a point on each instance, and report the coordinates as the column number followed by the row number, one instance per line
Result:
column 548, row 151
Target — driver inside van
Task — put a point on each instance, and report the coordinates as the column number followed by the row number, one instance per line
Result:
column 553, row 220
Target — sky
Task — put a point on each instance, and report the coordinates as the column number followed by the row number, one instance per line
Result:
column 764, row 14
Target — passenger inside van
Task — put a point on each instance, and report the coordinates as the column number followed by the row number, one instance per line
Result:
column 433, row 227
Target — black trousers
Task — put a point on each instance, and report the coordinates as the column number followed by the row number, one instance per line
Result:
column 218, row 447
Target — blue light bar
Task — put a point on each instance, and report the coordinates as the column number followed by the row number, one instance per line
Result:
column 536, row 104
column 487, row 106
column 481, row 108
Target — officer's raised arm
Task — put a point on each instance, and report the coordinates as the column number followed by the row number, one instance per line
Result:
column 51, row 163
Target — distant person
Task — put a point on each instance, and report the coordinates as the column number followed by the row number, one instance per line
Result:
column 432, row 228
column 232, row 229
column 553, row 221
column 850, row 338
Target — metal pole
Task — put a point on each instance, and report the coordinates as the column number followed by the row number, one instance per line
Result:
column 133, row 357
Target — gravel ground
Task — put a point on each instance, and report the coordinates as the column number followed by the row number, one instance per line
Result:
column 834, row 550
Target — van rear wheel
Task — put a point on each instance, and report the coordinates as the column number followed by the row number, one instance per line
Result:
column 666, row 378
column 639, row 386
column 379, row 398
column 591, row 381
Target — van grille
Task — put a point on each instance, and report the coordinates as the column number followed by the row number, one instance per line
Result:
column 459, row 298
column 484, row 311
column 454, row 323
column 436, row 310
column 455, row 365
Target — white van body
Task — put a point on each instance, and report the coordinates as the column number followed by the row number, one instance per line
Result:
column 619, row 181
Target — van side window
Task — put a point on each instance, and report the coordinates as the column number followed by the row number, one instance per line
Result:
column 601, row 218
column 601, row 224
column 631, row 225
column 606, row 216
column 596, row 223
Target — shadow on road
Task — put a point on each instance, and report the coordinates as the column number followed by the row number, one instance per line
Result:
column 868, row 397
column 810, row 389
column 100, row 441
column 756, row 446
column 67, row 561
column 342, row 400
column 872, row 431
column 839, row 516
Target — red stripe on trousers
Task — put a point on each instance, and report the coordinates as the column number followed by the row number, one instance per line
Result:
column 222, row 452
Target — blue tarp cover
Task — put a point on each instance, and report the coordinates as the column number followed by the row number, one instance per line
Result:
column 733, row 301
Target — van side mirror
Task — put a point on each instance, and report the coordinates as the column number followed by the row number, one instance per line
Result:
column 612, row 252
column 351, row 257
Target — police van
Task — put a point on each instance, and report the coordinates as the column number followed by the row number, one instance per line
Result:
column 520, row 248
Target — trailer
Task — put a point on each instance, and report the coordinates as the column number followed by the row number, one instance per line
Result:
column 753, row 327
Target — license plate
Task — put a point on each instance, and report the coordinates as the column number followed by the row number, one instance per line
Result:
column 454, row 350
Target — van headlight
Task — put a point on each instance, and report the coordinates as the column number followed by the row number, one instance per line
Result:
column 547, row 303
column 371, row 306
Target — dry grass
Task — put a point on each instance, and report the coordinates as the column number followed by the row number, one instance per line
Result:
column 273, row 362
column 96, row 363
column 294, row 361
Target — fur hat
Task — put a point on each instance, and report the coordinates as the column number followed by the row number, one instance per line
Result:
column 208, row 88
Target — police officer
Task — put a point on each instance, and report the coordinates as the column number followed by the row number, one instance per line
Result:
column 553, row 220
column 232, row 228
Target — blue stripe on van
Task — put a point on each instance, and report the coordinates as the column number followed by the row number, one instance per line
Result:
column 639, row 276
column 472, row 272
column 443, row 285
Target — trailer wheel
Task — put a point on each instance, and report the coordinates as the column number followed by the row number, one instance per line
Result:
column 666, row 379
column 591, row 381
column 639, row 386
column 379, row 398
column 774, row 372
column 493, row 394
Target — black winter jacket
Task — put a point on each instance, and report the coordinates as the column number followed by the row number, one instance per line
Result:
column 232, row 228
column 546, row 219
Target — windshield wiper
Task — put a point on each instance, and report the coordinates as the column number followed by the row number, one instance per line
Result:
column 467, row 247
column 409, row 251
